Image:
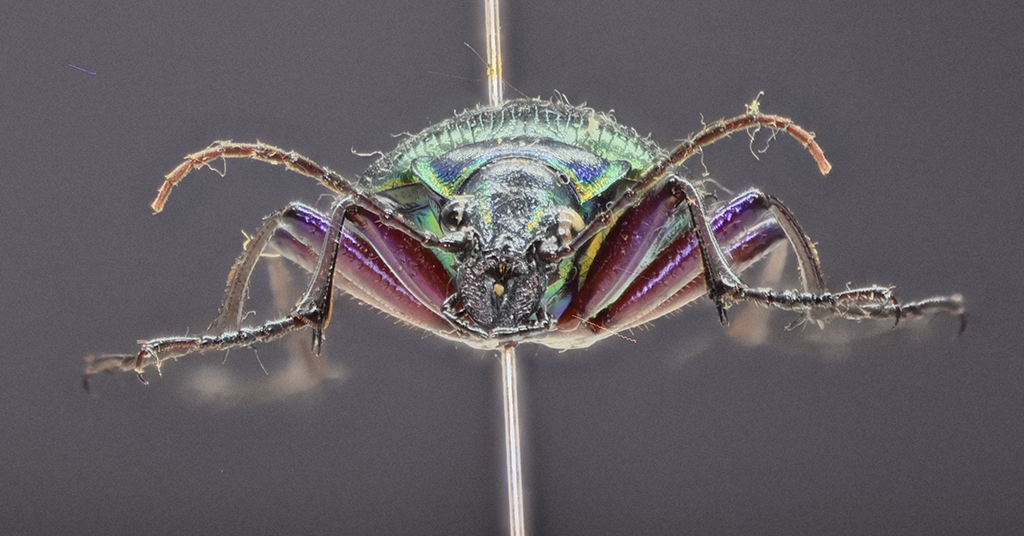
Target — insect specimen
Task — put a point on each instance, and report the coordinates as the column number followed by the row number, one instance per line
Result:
column 531, row 221
column 524, row 221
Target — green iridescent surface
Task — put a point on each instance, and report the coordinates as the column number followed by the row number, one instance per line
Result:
column 594, row 152
column 577, row 126
column 587, row 173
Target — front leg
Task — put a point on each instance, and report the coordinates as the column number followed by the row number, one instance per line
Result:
column 313, row 310
column 337, row 256
column 724, row 286
column 746, row 229
column 705, row 259
column 315, row 306
column 621, row 292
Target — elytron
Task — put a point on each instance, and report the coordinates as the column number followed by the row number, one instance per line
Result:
column 530, row 221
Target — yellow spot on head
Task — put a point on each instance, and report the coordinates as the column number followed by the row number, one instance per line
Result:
column 499, row 289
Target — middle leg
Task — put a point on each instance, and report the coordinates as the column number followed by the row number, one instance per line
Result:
column 338, row 256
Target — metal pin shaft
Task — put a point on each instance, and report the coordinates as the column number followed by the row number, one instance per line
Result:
column 494, row 91
column 509, row 383
column 513, row 454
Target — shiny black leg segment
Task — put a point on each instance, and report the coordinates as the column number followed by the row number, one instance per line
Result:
column 725, row 288
column 315, row 306
column 313, row 310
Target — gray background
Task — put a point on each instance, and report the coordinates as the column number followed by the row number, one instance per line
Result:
column 915, row 431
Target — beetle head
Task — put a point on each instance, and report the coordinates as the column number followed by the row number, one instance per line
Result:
column 510, row 218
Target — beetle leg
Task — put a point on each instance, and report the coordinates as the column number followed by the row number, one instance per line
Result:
column 724, row 287
column 413, row 290
column 315, row 306
column 364, row 273
column 337, row 257
column 939, row 304
column 626, row 250
column 746, row 230
column 313, row 310
column 303, row 371
column 229, row 318
column 622, row 252
column 154, row 352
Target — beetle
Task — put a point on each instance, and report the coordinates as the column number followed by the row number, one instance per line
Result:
column 531, row 221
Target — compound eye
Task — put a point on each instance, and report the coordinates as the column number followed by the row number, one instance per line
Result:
column 451, row 214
